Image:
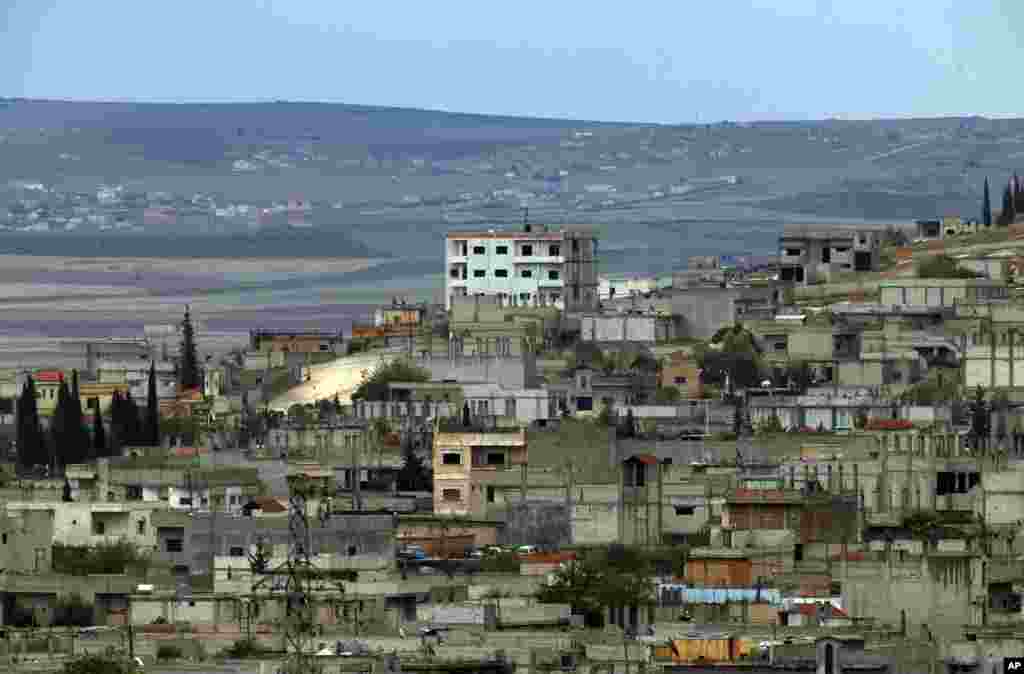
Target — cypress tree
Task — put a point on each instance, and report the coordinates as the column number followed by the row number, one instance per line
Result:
column 132, row 422
column 1006, row 216
column 116, row 424
column 78, row 437
column 986, row 207
column 31, row 446
column 99, row 435
column 189, row 361
column 152, row 409
column 59, row 425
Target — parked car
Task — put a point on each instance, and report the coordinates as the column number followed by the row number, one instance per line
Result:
column 412, row 552
column 526, row 550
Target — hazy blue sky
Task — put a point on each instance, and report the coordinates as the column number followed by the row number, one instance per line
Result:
column 672, row 61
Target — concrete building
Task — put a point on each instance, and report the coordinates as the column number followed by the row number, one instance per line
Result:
column 812, row 254
column 466, row 462
column 942, row 292
column 536, row 266
column 611, row 287
column 302, row 341
column 136, row 375
column 188, row 543
column 184, row 484
column 621, row 327
column 682, row 371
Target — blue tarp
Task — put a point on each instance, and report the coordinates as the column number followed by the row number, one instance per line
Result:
column 704, row 595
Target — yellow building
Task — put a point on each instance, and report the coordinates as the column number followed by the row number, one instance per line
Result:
column 468, row 462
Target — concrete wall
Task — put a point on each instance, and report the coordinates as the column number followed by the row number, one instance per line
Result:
column 205, row 534
column 25, row 541
column 623, row 328
column 513, row 373
column 936, row 591
column 536, row 523
column 1004, row 496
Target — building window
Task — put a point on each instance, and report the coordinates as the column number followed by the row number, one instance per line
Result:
column 479, row 273
column 510, row 407
column 140, row 527
column 526, row 273
column 479, row 250
column 527, row 250
column 555, row 251
column 92, row 403
column 501, row 250
column 133, row 492
column 679, row 380
column 451, row 495
column 4, row 539
column 99, row 528
column 236, row 551
column 553, row 275
column 495, row 459
column 451, row 459
column 524, row 297
column 490, row 494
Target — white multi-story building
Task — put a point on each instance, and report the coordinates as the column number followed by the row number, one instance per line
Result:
column 535, row 266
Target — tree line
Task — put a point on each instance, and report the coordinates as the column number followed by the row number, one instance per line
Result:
column 67, row 438
column 1013, row 203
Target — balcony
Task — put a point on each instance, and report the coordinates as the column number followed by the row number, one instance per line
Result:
column 538, row 259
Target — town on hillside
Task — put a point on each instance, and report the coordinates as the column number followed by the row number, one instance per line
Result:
column 810, row 462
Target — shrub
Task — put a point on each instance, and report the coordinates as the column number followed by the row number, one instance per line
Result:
column 245, row 648
column 506, row 562
column 73, row 612
column 99, row 664
column 168, row 652
column 110, row 558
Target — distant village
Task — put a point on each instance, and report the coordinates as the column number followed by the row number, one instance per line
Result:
column 808, row 462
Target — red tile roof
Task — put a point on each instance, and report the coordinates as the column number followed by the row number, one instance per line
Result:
column 49, row 376
column 811, row 610
column 189, row 451
column 269, row 505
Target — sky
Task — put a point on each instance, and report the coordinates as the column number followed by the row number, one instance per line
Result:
column 676, row 61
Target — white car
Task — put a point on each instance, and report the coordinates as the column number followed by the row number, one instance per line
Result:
column 526, row 549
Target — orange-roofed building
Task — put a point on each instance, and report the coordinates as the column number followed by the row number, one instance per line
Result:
column 47, row 385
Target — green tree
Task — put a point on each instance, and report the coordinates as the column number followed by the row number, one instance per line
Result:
column 300, row 414
column 986, row 207
column 597, row 581
column 374, row 385
column 667, row 395
column 1007, row 215
column 798, row 374
column 191, row 377
column 99, row 434
column 415, row 474
column 980, row 417
column 60, row 435
column 99, row 664
column 152, row 428
column 942, row 267
column 78, row 439
column 30, row 438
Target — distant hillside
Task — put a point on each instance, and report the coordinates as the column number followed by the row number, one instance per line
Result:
column 266, row 244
